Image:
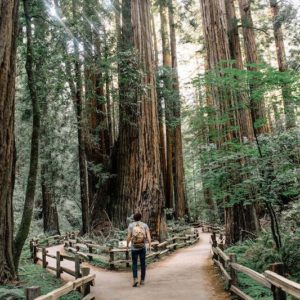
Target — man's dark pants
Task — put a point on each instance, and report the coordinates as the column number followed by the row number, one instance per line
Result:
column 142, row 254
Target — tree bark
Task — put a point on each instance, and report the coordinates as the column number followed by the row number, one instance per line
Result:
column 8, row 36
column 242, row 101
column 49, row 208
column 48, row 205
column 257, row 106
column 167, row 95
column 238, row 217
column 181, row 207
column 84, row 194
column 163, row 159
column 290, row 119
column 98, row 138
column 140, row 182
column 24, row 227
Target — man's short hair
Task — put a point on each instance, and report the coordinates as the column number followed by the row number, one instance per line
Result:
column 137, row 217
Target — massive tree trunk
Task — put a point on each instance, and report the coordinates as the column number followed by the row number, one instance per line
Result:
column 290, row 119
column 48, row 205
column 24, row 227
column 181, row 207
column 160, row 99
column 75, row 85
column 97, row 139
column 243, row 114
column 167, row 95
column 217, row 47
column 237, row 216
column 257, row 106
column 8, row 36
column 140, row 182
column 77, row 96
column 49, row 208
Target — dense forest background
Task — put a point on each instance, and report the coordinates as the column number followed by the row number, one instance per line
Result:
column 183, row 110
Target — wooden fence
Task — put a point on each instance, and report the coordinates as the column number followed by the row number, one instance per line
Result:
column 82, row 274
column 272, row 279
column 53, row 240
column 86, row 250
column 59, row 257
column 81, row 284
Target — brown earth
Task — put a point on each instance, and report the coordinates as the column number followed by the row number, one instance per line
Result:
column 187, row 274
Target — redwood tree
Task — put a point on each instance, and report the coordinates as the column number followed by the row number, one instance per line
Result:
column 24, row 227
column 241, row 99
column 166, row 93
column 140, row 183
column 257, row 106
column 238, row 217
column 181, row 208
column 8, row 35
column 290, row 119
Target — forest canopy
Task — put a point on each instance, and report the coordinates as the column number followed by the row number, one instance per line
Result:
column 182, row 110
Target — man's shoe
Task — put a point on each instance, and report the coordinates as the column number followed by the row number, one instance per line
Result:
column 135, row 283
column 142, row 282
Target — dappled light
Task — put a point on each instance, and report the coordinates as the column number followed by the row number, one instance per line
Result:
column 149, row 149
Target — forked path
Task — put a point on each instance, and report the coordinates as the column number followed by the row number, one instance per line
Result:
column 188, row 274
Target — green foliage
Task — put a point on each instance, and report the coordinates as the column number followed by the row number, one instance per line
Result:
column 259, row 253
column 33, row 275
column 235, row 171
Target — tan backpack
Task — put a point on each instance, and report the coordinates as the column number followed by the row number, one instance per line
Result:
column 138, row 236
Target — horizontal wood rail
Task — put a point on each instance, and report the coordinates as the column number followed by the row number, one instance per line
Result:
column 59, row 258
column 158, row 249
column 257, row 277
column 272, row 279
column 53, row 240
column 83, row 284
column 84, row 250
column 283, row 283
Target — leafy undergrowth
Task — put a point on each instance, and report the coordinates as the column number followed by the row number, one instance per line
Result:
column 258, row 254
column 34, row 275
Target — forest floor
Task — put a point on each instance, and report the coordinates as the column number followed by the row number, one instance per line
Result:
column 186, row 274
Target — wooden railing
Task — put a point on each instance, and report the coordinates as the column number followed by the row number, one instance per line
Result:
column 53, row 240
column 59, row 257
column 81, row 284
column 272, row 279
column 82, row 274
column 86, row 250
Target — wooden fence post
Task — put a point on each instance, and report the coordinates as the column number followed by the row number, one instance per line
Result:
column 32, row 292
column 278, row 293
column 85, row 271
column 58, row 270
column 31, row 248
column 214, row 240
column 34, row 254
column 111, row 258
column 77, row 266
column 44, row 257
column 90, row 251
column 214, row 244
column 233, row 273
column 127, row 258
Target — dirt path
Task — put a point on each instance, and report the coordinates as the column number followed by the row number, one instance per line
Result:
column 187, row 274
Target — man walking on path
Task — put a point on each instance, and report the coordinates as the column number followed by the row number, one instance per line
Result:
column 138, row 233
